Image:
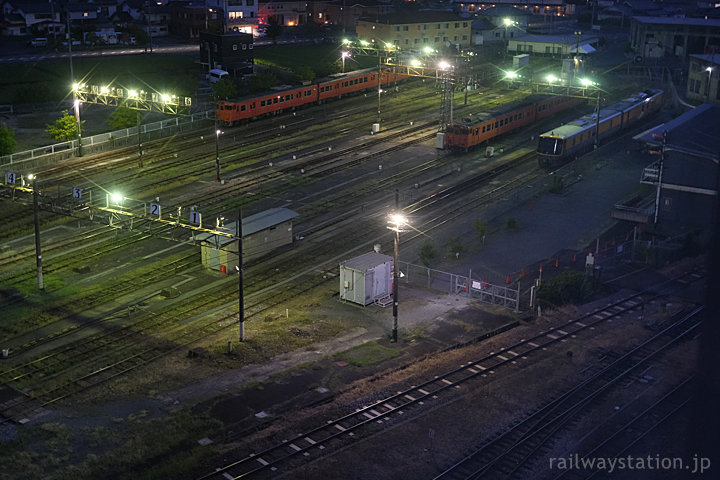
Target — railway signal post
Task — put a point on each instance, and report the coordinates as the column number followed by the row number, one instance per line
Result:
column 36, row 221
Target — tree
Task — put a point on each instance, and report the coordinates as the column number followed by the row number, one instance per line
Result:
column 262, row 81
column 304, row 73
column 123, row 117
column 224, row 89
column 480, row 227
column 64, row 128
column 7, row 140
column 274, row 29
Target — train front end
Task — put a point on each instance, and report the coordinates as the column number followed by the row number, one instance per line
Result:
column 551, row 150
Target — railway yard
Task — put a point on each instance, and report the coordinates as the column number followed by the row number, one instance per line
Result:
column 123, row 368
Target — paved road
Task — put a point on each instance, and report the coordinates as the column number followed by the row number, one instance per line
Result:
column 173, row 48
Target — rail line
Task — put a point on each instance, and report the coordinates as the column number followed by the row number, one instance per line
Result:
column 336, row 432
column 620, row 436
column 507, row 455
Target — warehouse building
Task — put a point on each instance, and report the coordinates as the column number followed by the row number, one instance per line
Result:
column 262, row 233
column 416, row 30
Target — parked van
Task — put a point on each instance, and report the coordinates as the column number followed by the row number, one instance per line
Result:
column 39, row 42
column 215, row 75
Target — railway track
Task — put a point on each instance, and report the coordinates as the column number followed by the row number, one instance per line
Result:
column 337, row 433
column 617, row 436
column 510, row 455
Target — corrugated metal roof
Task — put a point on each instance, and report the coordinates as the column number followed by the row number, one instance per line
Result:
column 367, row 261
column 253, row 224
column 693, row 132
column 702, row 22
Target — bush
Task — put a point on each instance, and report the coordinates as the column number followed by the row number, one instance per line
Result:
column 454, row 247
column 568, row 287
column 428, row 252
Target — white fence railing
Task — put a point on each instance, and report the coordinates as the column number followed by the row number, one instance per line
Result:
column 105, row 141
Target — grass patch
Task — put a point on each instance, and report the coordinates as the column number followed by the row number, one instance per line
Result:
column 367, row 354
column 50, row 80
column 320, row 58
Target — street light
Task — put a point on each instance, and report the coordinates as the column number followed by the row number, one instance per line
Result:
column 396, row 221
column 344, row 55
column 443, row 65
column 551, row 78
column 709, row 70
column 76, row 104
column 217, row 154
column 36, row 221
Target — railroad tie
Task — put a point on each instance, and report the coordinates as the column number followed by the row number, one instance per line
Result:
column 423, row 391
column 554, row 337
column 472, row 371
column 340, row 427
column 481, row 367
column 375, row 412
column 310, row 440
column 295, row 447
column 447, row 381
column 263, row 462
column 410, row 398
column 512, row 353
column 368, row 415
column 228, row 476
column 581, row 324
column 502, row 358
column 534, row 345
column 562, row 332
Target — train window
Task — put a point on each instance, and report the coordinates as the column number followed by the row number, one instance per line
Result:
column 288, row 97
column 496, row 124
column 242, row 108
column 280, row 99
column 275, row 100
column 329, row 87
column 253, row 105
column 483, row 129
column 262, row 103
column 322, row 89
column 477, row 130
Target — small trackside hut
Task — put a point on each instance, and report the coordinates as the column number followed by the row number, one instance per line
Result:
column 262, row 233
column 365, row 278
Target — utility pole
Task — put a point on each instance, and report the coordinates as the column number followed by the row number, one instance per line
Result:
column 217, row 149
column 379, row 86
column 36, row 220
column 241, row 298
column 139, row 143
column 660, row 173
column 597, row 121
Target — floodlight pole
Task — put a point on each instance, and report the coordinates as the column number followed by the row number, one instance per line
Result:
column 76, row 104
column 396, row 272
column 36, row 220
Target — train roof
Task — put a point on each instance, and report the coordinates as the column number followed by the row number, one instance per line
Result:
column 286, row 88
column 590, row 120
column 484, row 116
